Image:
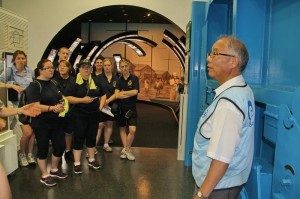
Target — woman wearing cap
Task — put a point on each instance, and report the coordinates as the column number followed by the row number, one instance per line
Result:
column 88, row 97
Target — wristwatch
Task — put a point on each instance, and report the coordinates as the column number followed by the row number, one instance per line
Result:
column 200, row 195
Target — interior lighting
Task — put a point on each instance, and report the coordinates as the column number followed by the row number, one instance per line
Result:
column 117, row 58
column 52, row 55
column 77, row 60
column 171, row 47
column 73, row 46
column 92, row 52
column 139, row 51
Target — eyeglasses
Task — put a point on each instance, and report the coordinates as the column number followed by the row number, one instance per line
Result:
column 213, row 54
column 48, row 68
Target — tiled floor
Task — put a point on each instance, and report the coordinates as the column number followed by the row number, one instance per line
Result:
column 156, row 174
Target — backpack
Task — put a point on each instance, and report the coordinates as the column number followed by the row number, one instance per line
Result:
column 24, row 119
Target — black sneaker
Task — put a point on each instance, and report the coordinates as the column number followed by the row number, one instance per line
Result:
column 48, row 181
column 58, row 174
column 77, row 169
column 94, row 164
column 69, row 156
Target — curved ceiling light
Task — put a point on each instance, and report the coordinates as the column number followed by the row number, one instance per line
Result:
column 92, row 51
column 113, row 39
column 174, row 40
column 73, row 46
column 77, row 60
column 52, row 54
column 139, row 51
column 177, row 54
column 130, row 35
column 145, row 40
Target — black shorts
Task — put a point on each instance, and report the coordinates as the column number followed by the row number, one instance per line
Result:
column 122, row 121
column 104, row 117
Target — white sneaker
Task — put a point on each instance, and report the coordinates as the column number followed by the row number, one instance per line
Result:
column 31, row 159
column 123, row 154
column 129, row 155
column 23, row 160
column 107, row 148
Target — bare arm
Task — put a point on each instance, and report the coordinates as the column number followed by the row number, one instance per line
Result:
column 17, row 88
column 5, row 192
column 216, row 171
column 31, row 110
column 126, row 94
column 109, row 100
column 102, row 102
column 2, row 123
column 78, row 100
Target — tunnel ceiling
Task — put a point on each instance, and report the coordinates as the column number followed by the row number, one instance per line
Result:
column 108, row 14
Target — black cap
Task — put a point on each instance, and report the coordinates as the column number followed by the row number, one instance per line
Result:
column 84, row 62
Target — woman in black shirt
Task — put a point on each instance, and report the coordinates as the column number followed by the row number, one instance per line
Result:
column 47, row 126
column 88, row 97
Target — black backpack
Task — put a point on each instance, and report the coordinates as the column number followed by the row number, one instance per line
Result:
column 24, row 119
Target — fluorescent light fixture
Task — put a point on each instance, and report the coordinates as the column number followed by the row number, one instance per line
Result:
column 171, row 47
column 145, row 40
column 92, row 52
column 117, row 58
column 139, row 51
column 182, row 41
column 52, row 55
column 73, row 46
column 77, row 60
column 112, row 40
column 175, row 41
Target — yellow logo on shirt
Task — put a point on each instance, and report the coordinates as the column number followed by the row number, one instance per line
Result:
column 129, row 83
column 114, row 83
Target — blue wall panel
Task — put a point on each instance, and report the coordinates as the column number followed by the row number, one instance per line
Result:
column 284, row 61
column 250, row 28
column 194, row 109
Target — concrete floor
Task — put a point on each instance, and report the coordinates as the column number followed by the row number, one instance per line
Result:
column 155, row 174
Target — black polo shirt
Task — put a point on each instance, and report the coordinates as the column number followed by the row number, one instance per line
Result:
column 80, row 91
column 131, row 83
column 63, row 82
column 111, row 86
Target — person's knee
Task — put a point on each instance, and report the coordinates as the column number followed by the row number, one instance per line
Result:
column 101, row 125
column 42, row 154
column 27, row 132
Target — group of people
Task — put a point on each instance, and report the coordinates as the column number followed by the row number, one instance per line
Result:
column 224, row 139
column 72, row 107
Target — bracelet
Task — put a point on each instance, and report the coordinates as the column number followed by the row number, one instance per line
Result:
column 49, row 108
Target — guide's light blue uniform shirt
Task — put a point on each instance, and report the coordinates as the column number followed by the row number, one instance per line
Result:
column 225, row 132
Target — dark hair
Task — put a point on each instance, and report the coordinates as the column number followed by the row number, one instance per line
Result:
column 16, row 53
column 100, row 57
column 41, row 63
